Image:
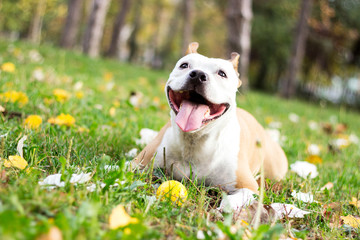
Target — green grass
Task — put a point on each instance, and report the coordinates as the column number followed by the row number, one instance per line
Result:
column 27, row 210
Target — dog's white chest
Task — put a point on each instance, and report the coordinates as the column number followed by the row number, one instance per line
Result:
column 209, row 157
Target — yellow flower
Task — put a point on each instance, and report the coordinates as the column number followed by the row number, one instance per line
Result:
column 16, row 161
column 63, row 120
column 314, row 159
column 33, row 121
column 112, row 111
column 108, row 76
column 8, row 67
column 79, row 94
column 61, row 95
column 172, row 190
column 14, row 96
column 120, row 218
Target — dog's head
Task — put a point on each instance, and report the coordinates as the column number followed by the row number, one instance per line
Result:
column 201, row 89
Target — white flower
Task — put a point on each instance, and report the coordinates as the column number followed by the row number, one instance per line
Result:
column 78, row 86
column 111, row 168
column 274, row 134
column 287, row 210
column 313, row 149
column 313, row 125
column 354, row 139
column 305, row 197
column 38, row 74
column 147, row 135
column 35, row 56
column 303, row 169
column 275, row 124
column 132, row 153
column 340, row 143
column 293, row 117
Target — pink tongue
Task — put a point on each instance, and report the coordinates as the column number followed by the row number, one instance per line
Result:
column 190, row 115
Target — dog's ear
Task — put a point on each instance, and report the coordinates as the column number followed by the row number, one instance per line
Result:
column 192, row 48
column 235, row 62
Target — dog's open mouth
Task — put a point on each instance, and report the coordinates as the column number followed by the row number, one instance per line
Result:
column 193, row 110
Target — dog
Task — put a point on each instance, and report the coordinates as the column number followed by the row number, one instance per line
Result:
column 208, row 137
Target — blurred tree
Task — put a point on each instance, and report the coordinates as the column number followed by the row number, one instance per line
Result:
column 113, row 50
column 289, row 84
column 71, row 28
column 133, row 43
column 95, row 26
column 238, row 16
column 187, row 15
column 37, row 22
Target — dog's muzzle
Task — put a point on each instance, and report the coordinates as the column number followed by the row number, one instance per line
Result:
column 193, row 110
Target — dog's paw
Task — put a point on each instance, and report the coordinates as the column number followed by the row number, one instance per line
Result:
column 235, row 202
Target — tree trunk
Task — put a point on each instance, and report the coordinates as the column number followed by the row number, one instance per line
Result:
column 113, row 50
column 133, row 44
column 188, row 9
column 288, row 86
column 37, row 21
column 71, row 28
column 239, row 15
column 95, row 27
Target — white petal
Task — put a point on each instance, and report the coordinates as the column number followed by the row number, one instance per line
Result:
column 303, row 169
column 274, row 134
column 132, row 153
column 52, row 180
column 147, row 135
column 288, row 210
column 294, row 117
column 305, row 197
column 80, row 178
column 275, row 124
column 20, row 146
column 313, row 149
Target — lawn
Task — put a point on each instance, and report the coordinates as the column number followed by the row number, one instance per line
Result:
column 89, row 123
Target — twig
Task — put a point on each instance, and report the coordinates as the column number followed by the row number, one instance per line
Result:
column 262, row 183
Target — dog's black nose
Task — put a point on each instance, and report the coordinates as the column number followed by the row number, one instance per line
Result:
column 198, row 75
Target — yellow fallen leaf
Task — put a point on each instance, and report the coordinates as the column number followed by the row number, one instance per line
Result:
column 355, row 202
column 351, row 221
column 120, row 218
column 16, row 161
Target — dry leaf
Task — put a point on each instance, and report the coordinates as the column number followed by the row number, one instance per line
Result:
column 332, row 212
column 16, row 161
column 305, row 197
column 53, row 234
column 247, row 215
column 120, row 218
column 340, row 128
column 355, row 202
column 327, row 128
column 304, row 169
column 351, row 221
column 287, row 210
column 327, row 186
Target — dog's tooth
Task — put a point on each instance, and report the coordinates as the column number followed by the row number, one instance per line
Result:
column 207, row 114
column 181, row 92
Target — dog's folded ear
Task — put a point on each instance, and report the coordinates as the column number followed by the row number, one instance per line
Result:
column 192, row 48
column 235, row 62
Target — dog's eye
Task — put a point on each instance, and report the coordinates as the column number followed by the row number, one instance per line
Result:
column 184, row 65
column 221, row 73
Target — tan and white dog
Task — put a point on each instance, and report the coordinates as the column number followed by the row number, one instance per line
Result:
column 209, row 135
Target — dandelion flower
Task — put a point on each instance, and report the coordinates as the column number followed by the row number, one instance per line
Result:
column 63, row 120
column 61, row 95
column 33, row 121
column 14, row 96
column 8, row 67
